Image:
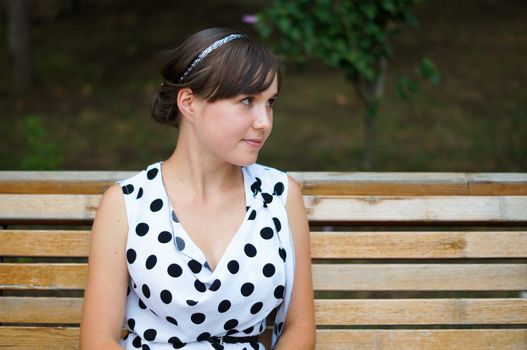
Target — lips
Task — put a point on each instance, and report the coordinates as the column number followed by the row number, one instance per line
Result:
column 253, row 142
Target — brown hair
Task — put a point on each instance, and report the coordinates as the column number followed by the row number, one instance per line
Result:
column 240, row 66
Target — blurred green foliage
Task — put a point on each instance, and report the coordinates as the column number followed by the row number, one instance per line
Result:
column 351, row 35
column 42, row 153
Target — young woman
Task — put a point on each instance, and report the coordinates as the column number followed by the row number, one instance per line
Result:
column 196, row 251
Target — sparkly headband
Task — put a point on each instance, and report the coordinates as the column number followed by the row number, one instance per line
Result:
column 208, row 50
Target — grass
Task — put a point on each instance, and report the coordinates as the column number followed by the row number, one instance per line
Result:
column 94, row 72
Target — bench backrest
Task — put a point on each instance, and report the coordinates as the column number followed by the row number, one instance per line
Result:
column 400, row 260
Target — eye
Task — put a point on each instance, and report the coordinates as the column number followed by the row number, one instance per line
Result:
column 247, row 101
column 271, row 102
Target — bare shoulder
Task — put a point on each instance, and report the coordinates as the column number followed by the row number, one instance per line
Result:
column 111, row 209
column 294, row 193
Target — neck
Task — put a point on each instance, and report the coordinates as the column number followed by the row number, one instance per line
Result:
column 198, row 174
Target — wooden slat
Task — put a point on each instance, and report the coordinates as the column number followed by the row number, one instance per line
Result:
column 328, row 312
column 313, row 183
column 433, row 339
column 324, row 245
column 59, row 182
column 44, row 243
column 434, row 209
column 403, row 277
column 421, row 311
column 43, row 276
column 26, row 207
column 424, row 245
column 40, row 310
column 44, row 338
column 421, row 277
column 39, row 338
column 376, row 209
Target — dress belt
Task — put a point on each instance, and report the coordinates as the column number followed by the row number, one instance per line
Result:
column 232, row 340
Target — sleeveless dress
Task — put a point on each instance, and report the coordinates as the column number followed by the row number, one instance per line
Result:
column 174, row 299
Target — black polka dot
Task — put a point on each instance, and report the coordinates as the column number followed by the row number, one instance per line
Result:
column 268, row 270
column 252, row 215
column 164, row 237
column 137, row 342
column 200, row 286
column 256, row 186
column 141, row 304
column 279, row 292
column 267, row 199
column 280, row 325
column 261, row 328
column 172, row 320
column 151, row 262
column 150, row 334
column 230, row 324
column 203, row 336
column 128, row 291
column 128, row 189
column 131, row 323
column 145, row 347
column 191, row 302
column 232, row 331
column 282, row 253
column 140, row 193
column 166, row 296
column 215, row 285
column 174, row 216
column 224, row 306
column 141, row 229
column 152, row 173
column 131, row 255
column 250, row 250
column 247, row 289
column 180, row 243
column 254, row 345
column 146, row 291
column 248, row 330
column 197, row 318
column 233, row 266
column 277, row 224
column 156, row 205
column 267, row 233
column 218, row 346
column 278, row 188
column 256, row 308
column 176, row 342
column 194, row 266
column 174, row 270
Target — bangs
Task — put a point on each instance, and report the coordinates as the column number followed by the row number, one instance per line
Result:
column 244, row 66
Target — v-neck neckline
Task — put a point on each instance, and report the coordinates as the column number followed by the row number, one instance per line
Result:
column 249, row 201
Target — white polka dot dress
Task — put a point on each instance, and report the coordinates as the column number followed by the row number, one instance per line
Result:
column 175, row 300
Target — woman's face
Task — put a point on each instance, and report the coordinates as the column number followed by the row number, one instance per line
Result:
column 235, row 129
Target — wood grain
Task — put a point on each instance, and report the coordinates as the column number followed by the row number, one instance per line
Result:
column 326, row 277
column 44, row 338
column 355, row 209
column 324, row 245
column 337, row 312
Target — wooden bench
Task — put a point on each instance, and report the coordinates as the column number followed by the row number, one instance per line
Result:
column 400, row 260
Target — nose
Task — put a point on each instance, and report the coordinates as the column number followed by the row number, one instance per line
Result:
column 263, row 118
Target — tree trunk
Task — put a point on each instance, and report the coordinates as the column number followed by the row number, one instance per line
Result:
column 19, row 42
column 369, row 142
column 371, row 92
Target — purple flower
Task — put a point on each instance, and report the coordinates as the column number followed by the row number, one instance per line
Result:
column 249, row 19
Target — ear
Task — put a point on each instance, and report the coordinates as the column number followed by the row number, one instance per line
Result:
column 187, row 104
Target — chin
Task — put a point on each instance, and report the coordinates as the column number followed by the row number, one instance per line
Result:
column 246, row 161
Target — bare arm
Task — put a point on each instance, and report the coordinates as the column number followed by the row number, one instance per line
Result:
column 299, row 328
column 105, row 295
